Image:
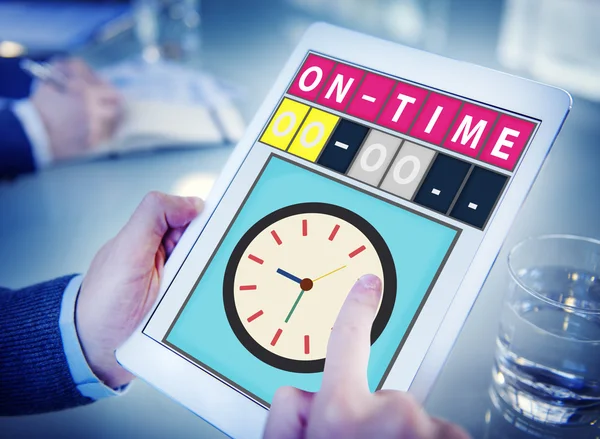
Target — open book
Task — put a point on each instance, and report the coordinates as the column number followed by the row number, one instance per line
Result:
column 170, row 105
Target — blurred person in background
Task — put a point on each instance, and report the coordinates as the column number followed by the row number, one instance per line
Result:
column 56, row 121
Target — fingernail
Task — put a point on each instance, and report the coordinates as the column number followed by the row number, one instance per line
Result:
column 371, row 283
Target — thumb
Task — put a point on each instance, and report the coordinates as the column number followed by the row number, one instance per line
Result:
column 155, row 216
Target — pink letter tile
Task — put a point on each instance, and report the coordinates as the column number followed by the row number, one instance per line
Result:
column 341, row 86
column 402, row 107
column 470, row 130
column 507, row 142
column 435, row 118
column 370, row 96
column 311, row 77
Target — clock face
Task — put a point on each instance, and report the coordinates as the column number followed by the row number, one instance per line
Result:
column 289, row 275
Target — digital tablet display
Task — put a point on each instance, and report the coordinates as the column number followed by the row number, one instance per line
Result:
column 362, row 173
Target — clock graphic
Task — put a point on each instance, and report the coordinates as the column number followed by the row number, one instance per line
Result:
column 289, row 274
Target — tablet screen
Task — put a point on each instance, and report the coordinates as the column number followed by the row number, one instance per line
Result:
column 355, row 172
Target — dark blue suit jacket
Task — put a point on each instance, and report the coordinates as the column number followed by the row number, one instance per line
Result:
column 34, row 372
column 16, row 156
column 15, row 149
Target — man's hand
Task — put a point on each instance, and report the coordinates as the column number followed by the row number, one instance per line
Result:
column 345, row 407
column 86, row 113
column 123, row 280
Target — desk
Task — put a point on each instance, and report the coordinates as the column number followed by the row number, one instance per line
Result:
column 52, row 223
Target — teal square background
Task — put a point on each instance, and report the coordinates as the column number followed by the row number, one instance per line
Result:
column 418, row 246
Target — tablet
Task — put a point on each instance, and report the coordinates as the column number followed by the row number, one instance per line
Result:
column 366, row 157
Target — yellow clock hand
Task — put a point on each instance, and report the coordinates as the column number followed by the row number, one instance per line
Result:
column 331, row 272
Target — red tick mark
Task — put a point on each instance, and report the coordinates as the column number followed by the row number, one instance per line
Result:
column 255, row 316
column 247, row 287
column 276, row 237
column 276, row 337
column 304, row 227
column 306, row 344
column 357, row 251
column 256, row 259
column 334, row 232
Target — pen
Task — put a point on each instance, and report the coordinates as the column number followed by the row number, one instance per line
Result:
column 44, row 72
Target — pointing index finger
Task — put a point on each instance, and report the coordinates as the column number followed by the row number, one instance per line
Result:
column 350, row 341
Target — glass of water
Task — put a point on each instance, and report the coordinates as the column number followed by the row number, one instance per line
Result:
column 547, row 363
column 167, row 28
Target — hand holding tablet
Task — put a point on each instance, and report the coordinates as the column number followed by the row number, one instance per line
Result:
column 345, row 407
column 123, row 280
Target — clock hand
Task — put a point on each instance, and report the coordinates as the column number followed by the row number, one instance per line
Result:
column 289, row 275
column 305, row 283
column 294, row 306
column 331, row 272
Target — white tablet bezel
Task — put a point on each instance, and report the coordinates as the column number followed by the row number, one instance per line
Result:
column 233, row 412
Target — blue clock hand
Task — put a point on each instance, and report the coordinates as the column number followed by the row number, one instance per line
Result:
column 289, row 275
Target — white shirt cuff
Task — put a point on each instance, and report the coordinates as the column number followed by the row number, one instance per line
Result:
column 36, row 132
column 86, row 381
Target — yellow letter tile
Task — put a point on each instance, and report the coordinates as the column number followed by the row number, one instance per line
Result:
column 284, row 124
column 313, row 134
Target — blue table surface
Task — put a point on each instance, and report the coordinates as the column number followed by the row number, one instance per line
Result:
column 53, row 222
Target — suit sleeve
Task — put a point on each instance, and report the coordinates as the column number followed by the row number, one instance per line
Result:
column 14, row 82
column 34, row 371
column 16, row 155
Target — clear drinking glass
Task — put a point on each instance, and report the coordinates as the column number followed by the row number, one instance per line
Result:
column 547, row 363
column 146, row 14
column 555, row 41
column 168, row 28
column 180, row 29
